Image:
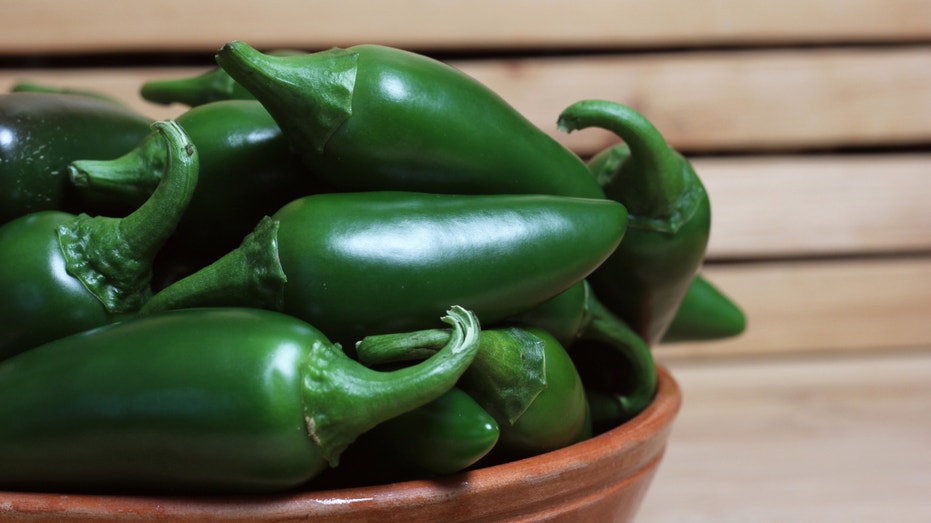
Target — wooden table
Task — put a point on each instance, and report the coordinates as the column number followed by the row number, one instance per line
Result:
column 800, row 439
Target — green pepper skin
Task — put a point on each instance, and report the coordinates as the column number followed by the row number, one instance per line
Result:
column 558, row 416
column 522, row 376
column 41, row 301
column 41, row 132
column 706, row 314
column 247, row 171
column 355, row 264
column 65, row 273
column 378, row 118
column 447, row 435
column 200, row 401
column 578, row 319
column 645, row 280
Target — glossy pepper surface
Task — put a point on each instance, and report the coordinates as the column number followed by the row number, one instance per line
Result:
column 447, row 435
column 521, row 375
column 41, row 132
column 579, row 321
column 706, row 313
column 201, row 400
column 646, row 279
column 355, row 264
column 378, row 118
column 246, row 172
column 65, row 273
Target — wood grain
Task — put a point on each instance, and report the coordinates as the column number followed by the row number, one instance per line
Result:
column 819, row 440
column 76, row 26
column 771, row 100
column 821, row 307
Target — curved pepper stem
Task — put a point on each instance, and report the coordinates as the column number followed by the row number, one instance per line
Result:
column 508, row 373
column 652, row 181
column 197, row 90
column 604, row 327
column 132, row 177
column 335, row 384
column 113, row 256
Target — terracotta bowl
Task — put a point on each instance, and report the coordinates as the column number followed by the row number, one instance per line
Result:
column 600, row 480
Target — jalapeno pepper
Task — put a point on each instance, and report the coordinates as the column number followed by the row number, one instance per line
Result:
column 64, row 273
column 521, row 375
column 706, row 313
column 201, row 400
column 378, row 118
column 579, row 321
column 355, row 264
column 447, row 435
column 26, row 86
column 41, row 132
column 246, row 172
column 213, row 85
column 645, row 280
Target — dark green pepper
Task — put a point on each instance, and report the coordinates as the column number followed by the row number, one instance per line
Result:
column 210, row 86
column 201, row 401
column 41, row 132
column 447, row 435
column 579, row 321
column 246, row 172
column 521, row 375
column 355, row 264
column 706, row 313
column 64, row 273
column 378, row 118
column 645, row 280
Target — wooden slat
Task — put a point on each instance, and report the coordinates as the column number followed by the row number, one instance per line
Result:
column 818, row 440
column 776, row 206
column 99, row 25
column 827, row 306
column 703, row 101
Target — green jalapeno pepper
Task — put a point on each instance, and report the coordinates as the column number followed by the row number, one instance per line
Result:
column 579, row 321
column 706, row 313
column 355, row 264
column 246, row 171
column 41, row 132
column 521, row 375
column 26, row 86
column 377, row 118
column 201, row 400
column 645, row 280
column 64, row 273
column 213, row 85
column 447, row 435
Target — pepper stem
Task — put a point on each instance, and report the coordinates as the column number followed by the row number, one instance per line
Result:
column 343, row 398
column 132, row 177
column 197, row 90
column 508, row 373
column 250, row 275
column 604, row 327
column 319, row 85
column 113, row 256
column 653, row 180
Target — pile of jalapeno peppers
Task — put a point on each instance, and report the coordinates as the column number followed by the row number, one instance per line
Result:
column 358, row 257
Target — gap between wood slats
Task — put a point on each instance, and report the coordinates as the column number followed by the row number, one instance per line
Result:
column 95, row 25
column 821, row 307
column 779, row 100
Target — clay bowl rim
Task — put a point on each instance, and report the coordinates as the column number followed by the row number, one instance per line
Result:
column 654, row 423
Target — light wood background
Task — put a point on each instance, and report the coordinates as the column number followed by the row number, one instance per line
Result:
column 810, row 123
